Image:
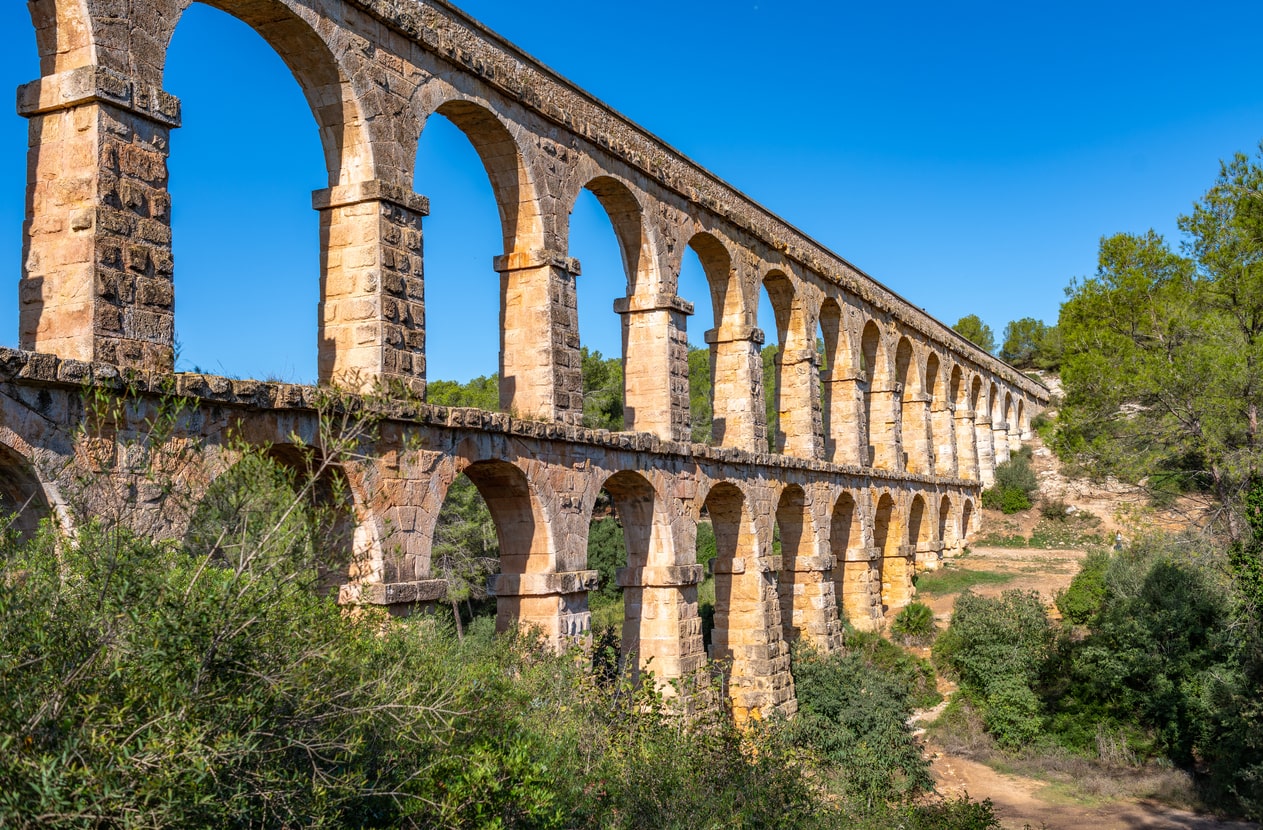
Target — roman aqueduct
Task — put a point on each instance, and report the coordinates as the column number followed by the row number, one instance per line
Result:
column 881, row 449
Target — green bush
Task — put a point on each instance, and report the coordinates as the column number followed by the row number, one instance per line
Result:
column 1014, row 482
column 856, row 715
column 915, row 623
column 607, row 552
column 1080, row 601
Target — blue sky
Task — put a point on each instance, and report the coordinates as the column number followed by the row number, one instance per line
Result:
column 967, row 155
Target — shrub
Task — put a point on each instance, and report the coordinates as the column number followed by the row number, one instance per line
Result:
column 856, row 715
column 914, row 624
column 1055, row 509
column 1014, row 482
column 1080, row 601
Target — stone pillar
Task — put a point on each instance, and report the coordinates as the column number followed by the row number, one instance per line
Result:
column 896, row 578
column 372, row 290
column 929, row 555
column 759, row 680
column 986, row 452
column 798, row 403
column 883, row 425
column 1015, row 439
column 943, row 432
column 809, row 604
column 847, row 431
column 662, row 627
column 96, row 260
column 555, row 604
column 655, row 365
column 966, row 445
column 541, row 373
column 1001, row 442
column 737, row 380
column 859, row 588
column 916, row 434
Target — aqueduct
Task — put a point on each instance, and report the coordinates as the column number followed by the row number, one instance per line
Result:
column 883, row 442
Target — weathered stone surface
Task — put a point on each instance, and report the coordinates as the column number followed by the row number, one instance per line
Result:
column 882, row 444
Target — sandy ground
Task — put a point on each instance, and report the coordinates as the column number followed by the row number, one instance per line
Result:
column 1021, row 801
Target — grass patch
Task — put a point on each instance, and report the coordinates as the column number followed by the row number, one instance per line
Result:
column 954, row 580
column 1002, row 540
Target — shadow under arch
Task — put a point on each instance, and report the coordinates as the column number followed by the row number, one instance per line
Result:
column 24, row 504
column 794, row 397
column 894, row 576
column 920, row 533
column 525, row 542
column 880, row 404
column 842, row 407
column 947, row 533
column 852, row 569
column 745, row 642
column 728, row 345
column 806, row 610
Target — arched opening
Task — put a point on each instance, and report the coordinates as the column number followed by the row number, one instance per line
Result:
column 523, row 539
column 965, row 442
column 946, row 524
column 852, row 569
column 891, row 570
column 776, row 305
column 742, row 642
column 920, row 535
column 620, row 390
column 627, row 539
column 911, row 410
column 841, row 407
column 941, row 459
column 465, row 230
column 23, row 504
column 465, row 551
column 795, row 583
column 243, row 233
column 706, row 275
column 880, row 404
column 966, row 522
column 283, row 505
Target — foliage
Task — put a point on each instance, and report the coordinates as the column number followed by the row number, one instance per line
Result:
column 769, row 395
column 602, row 391
column 998, row 649
column 465, row 550
column 706, row 549
column 911, row 672
column 1080, row 601
column 1163, row 368
column 914, row 624
column 479, row 393
column 1029, row 343
column 1014, row 482
column 979, row 333
column 855, row 715
column 701, row 411
column 607, row 552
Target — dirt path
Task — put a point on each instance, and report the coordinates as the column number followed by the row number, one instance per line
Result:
column 1022, row 801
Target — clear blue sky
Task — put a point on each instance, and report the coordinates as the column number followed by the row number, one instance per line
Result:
column 968, row 155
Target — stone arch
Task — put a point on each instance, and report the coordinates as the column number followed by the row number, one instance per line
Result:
column 659, row 600
column 626, row 215
column 347, row 547
column 728, row 343
column 24, row 500
column 946, row 523
column 502, row 158
column 852, row 568
column 330, row 86
column 843, row 407
column 913, row 429
column 64, row 35
column 924, row 544
column 888, row 539
column 880, row 404
column 745, row 637
column 794, row 398
column 806, row 610
column 966, row 522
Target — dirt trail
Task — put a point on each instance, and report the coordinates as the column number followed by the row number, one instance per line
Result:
column 1022, row 801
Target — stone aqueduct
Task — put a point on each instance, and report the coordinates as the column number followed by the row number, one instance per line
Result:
column 880, row 457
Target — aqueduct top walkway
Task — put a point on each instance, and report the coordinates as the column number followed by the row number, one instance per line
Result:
column 882, row 443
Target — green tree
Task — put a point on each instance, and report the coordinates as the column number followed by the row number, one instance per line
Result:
column 1029, row 343
column 769, row 395
column 465, row 550
column 480, row 393
column 700, row 409
column 979, row 333
column 602, row 391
